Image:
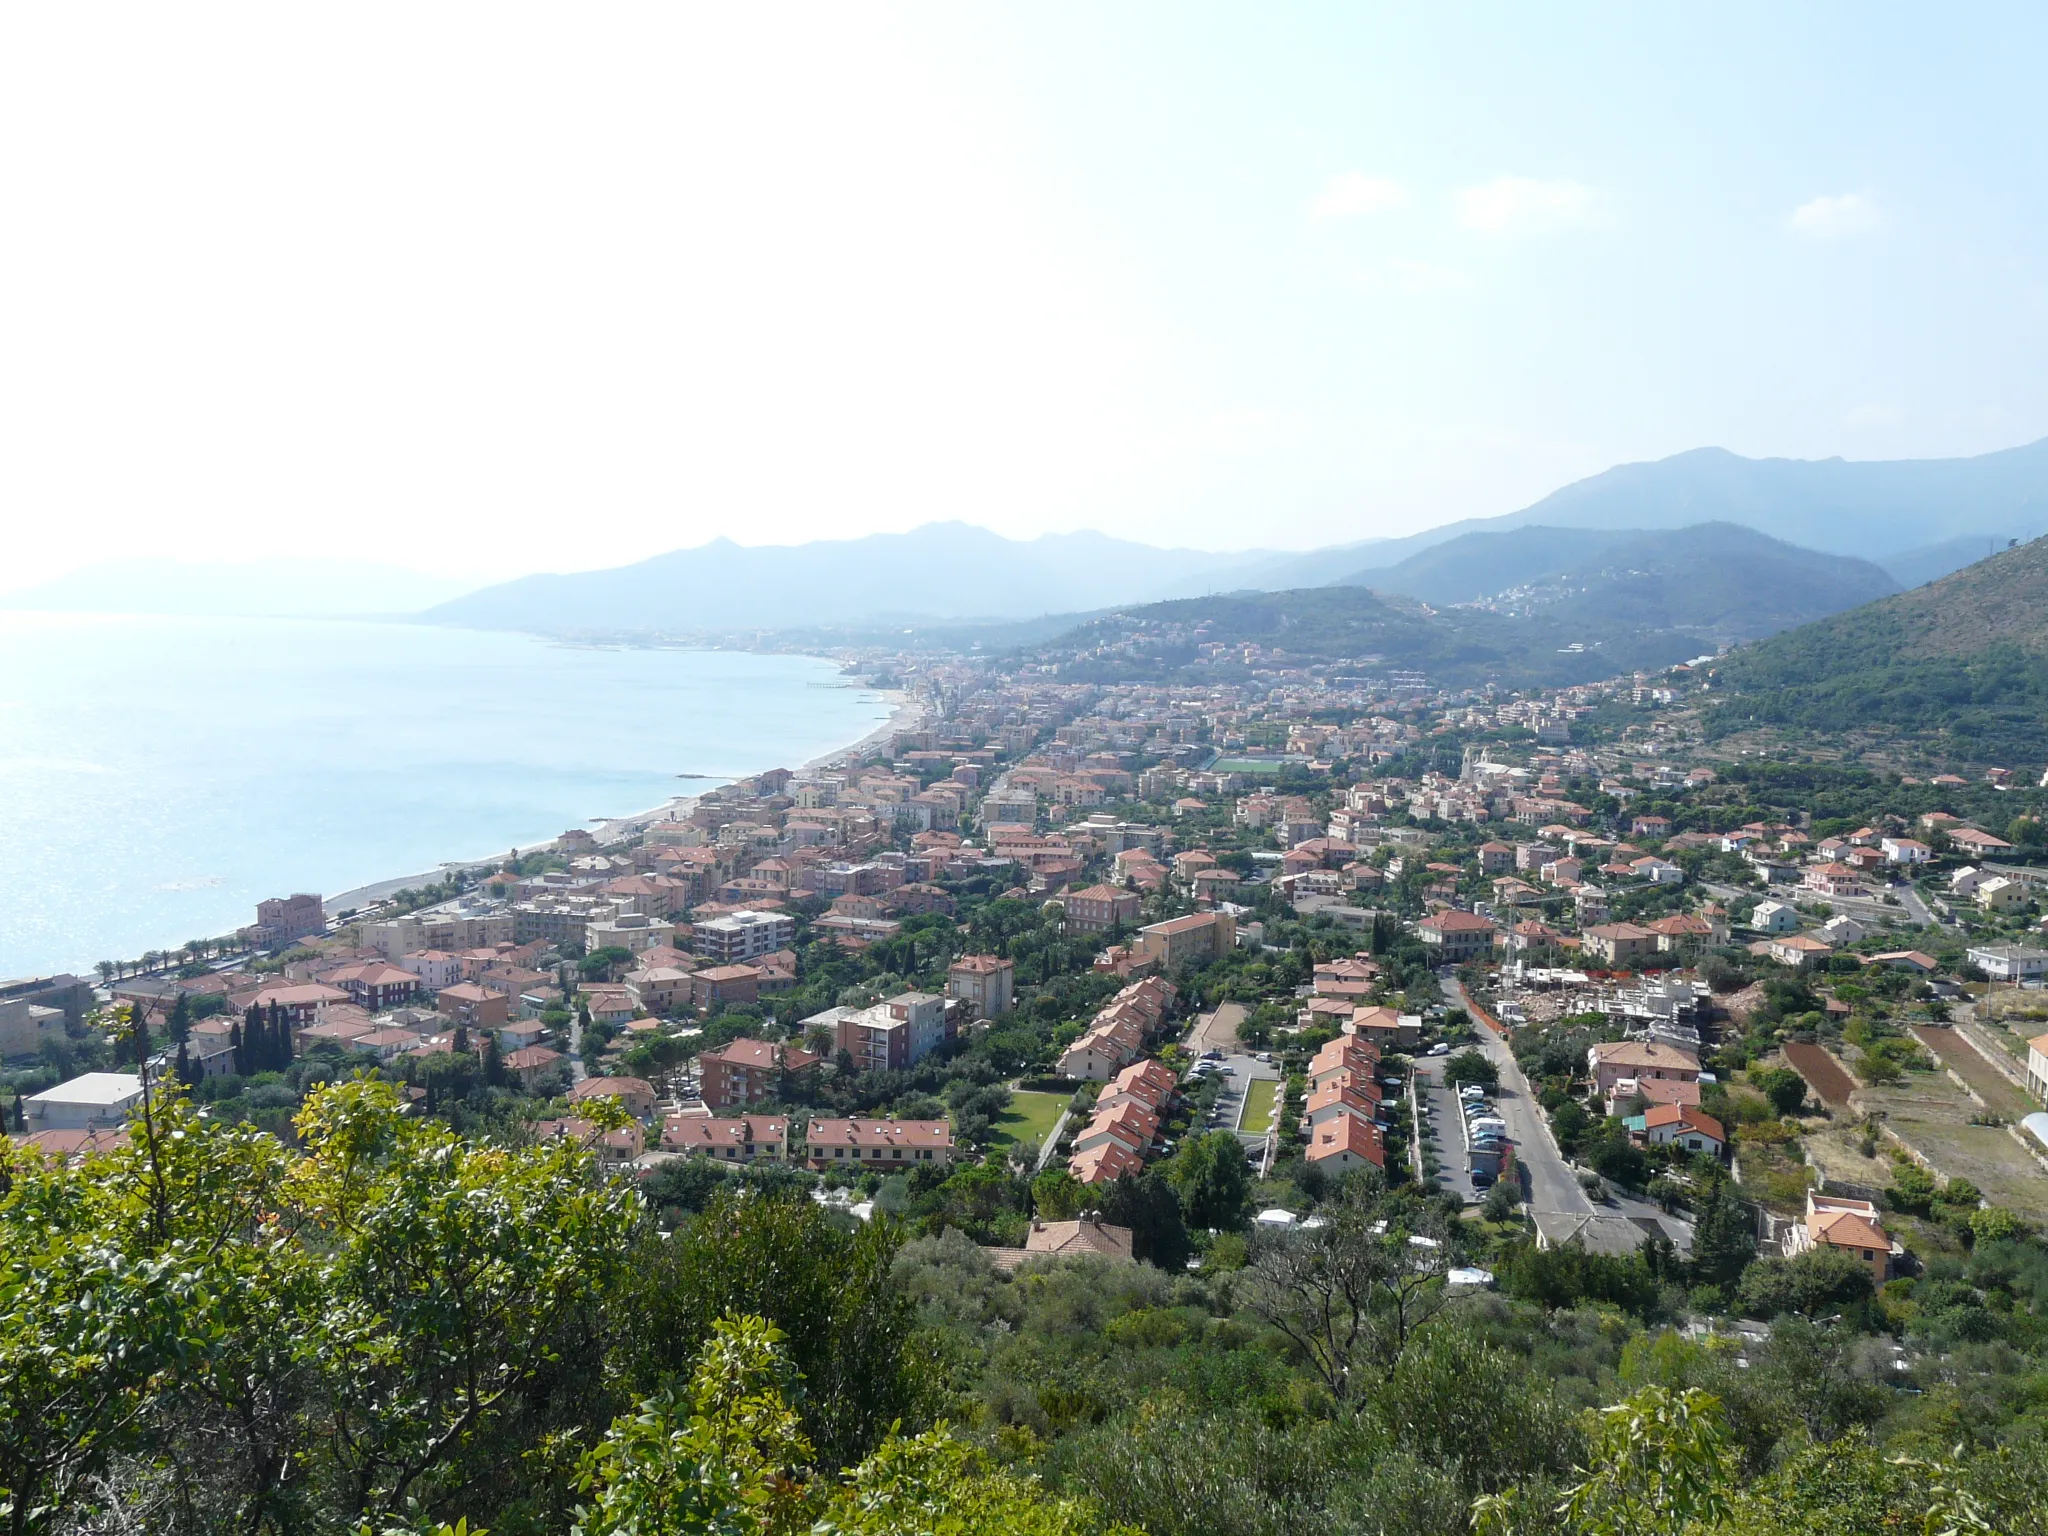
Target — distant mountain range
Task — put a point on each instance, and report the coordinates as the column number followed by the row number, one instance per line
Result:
column 1919, row 518
column 1916, row 519
column 939, row 571
column 295, row 588
column 1960, row 665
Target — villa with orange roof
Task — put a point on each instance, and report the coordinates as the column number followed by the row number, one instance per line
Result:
column 1849, row 1226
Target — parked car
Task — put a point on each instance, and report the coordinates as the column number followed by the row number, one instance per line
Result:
column 1441, row 1048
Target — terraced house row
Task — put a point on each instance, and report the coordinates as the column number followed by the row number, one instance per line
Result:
column 824, row 1144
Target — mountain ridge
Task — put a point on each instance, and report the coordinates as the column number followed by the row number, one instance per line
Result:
column 1960, row 663
column 1723, row 581
column 1929, row 514
column 949, row 570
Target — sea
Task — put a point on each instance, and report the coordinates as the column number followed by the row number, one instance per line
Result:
column 159, row 776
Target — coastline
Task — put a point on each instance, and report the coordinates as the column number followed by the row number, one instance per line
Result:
column 905, row 714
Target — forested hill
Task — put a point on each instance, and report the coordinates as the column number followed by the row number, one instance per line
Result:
column 1370, row 631
column 1961, row 663
column 1563, row 606
column 1722, row 581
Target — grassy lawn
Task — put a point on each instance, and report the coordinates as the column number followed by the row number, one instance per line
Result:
column 1260, row 1101
column 1029, row 1119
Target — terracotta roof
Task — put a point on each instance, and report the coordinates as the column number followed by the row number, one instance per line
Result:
column 1845, row 1229
column 1347, row 1133
column 1685, row 1115
column 1456, row 922
column 1644, row 1053
column 1079, row 1237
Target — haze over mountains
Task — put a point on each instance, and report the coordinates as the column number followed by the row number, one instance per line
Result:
column 1914, row 519
column 942, row 570
column 1905, row 521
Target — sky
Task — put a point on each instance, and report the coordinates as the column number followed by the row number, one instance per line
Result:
column 485, row 289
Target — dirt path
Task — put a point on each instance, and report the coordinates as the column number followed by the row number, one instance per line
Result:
column 1997, row 1091
column 1823, row 1074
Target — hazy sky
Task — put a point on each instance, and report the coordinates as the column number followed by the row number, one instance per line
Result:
column 485, row 289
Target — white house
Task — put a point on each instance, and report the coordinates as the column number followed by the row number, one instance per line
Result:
column 1964, row 882
column 2001, row 962
column 1841, row 930
column 1774, row 917
column 1904, row 850
column 87, row 1103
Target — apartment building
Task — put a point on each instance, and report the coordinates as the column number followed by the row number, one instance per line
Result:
column 375, row 984
column 986, row 983
column 741, row 1139
column 284, row 918
column 878, row 1144
column 892, row 1035
column 1455, row 937
column 747, row 1071
column 1199, row 938
column 742, row 936
column 1100, row 908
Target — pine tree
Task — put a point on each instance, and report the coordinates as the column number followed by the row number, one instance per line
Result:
column 1724, row 1239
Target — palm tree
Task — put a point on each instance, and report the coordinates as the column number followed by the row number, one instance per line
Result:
column 106, row 968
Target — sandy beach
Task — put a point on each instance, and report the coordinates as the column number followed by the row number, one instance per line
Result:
column 906, row 713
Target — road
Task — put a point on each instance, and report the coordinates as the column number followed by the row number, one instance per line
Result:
column 1549, row 1187
column 1864, row 908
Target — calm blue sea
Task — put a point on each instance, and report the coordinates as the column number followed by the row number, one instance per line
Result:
column 158, row 776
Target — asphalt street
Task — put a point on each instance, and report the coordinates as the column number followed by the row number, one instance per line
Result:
column 1549, row 1186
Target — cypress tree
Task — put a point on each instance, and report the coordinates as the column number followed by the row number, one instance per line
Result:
column 462, row 1039
column 238, row 1040
column 494, row 1062
column 20, row 1112
column 181, row 1019
column 185, row 1074
column 141, row 1022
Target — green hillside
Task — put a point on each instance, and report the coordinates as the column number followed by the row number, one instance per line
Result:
column 1371, row 631
column 1723, row 582
column 1961, row 663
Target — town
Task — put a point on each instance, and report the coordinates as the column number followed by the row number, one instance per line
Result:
column 1072, row 928
column 1163, row 975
